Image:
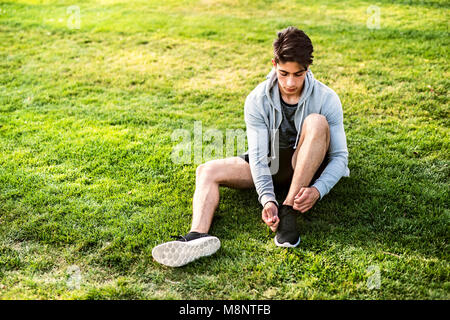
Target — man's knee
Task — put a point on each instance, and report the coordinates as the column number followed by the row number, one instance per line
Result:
column 204, row 170
column 209, row 170
column 230, row 171
column 317, row 125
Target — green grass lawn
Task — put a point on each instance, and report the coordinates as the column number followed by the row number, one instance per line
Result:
column 86, row 177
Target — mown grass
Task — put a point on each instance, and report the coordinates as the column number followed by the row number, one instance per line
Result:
column 86, row 177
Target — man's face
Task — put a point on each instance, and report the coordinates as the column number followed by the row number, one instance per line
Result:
column 291, row 76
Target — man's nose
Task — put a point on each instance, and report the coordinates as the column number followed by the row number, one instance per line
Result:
column 290, row 81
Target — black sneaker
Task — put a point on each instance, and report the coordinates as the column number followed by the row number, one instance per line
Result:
column 186, row 249
column 287, row 232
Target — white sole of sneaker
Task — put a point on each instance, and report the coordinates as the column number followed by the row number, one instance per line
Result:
column 286, row 244
column 180, row 253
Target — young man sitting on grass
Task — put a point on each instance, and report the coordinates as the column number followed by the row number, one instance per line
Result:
column 296, row 138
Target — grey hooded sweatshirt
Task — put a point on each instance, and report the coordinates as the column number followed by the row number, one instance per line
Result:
column 263, row 117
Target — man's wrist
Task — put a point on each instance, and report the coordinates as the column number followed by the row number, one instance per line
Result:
column 268, row 198
column 272, row 202
column 317, row 192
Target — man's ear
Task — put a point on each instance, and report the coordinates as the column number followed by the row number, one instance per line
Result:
column 274, row 63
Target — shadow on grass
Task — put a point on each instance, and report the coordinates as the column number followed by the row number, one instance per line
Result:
column 359, row 212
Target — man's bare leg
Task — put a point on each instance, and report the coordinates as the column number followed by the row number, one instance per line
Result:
column 232, row 172
column 311, row 150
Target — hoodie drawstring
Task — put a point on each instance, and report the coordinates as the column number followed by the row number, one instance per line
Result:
column 273, row 130
column 298, row 132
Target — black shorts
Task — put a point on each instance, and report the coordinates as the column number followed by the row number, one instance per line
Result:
column 285, row 172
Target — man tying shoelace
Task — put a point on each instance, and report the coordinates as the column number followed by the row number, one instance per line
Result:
column 296, row 138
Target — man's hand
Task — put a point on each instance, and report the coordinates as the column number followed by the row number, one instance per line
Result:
column 270, row 215
column 305, row 199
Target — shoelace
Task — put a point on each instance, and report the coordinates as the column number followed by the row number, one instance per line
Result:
column 178, row 238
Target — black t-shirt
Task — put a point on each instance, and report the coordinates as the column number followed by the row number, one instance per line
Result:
column 287, row 130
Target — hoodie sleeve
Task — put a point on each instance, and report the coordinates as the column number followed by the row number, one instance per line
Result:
column 258, row 150
column 338, row 153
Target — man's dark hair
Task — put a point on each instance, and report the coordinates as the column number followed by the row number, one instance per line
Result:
column 293, row 45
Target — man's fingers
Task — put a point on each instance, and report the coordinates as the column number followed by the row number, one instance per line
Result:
column 301, row 199
column 264, row 215
column 300, row 193
column 303, row 207
column 274, row 226
column 306, row 207
column 304, row 200
column 275, row 220
column 269, row 218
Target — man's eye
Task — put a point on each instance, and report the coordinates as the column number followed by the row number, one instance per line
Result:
column 283, row 74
